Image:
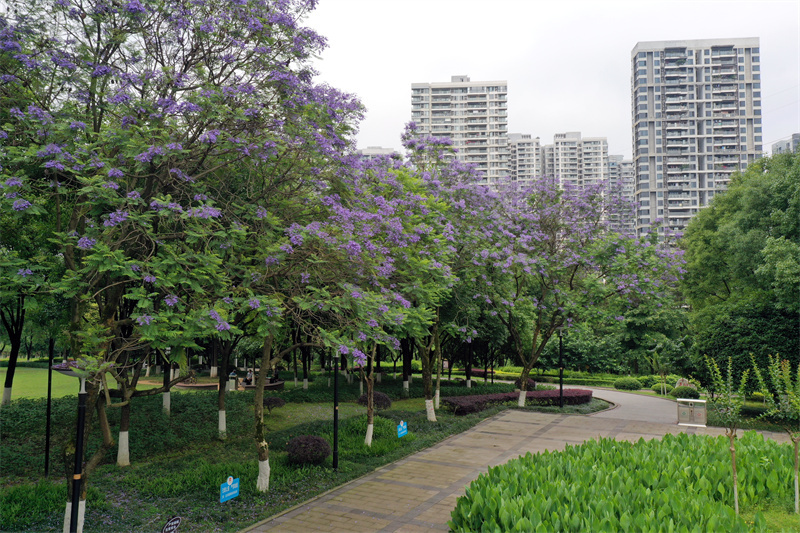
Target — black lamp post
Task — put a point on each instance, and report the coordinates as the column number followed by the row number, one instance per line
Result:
column 336, row 411
column 77, row 472
column 561, row 366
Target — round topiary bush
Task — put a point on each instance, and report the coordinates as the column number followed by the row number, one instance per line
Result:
column 648, row 381
column 308, row 449
column 271, row 402
column 684, row 392
column 379, row 399
column 657, row 388
column 531, row 384
column 627, row 384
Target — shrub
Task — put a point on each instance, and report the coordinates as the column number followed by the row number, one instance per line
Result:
column 684, row 392
column 463, row 405
column 380, row 400
column 651, row 495
column 627, row 384
column 756, row 397
column 480, row 373
column 531, row 384
column 308, row 449
column 272, row 402
column 648, row 381
column 657, row 388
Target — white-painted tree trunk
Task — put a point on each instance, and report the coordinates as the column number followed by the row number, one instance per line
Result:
column 81, row 514
column 349, row 378
column 305, row 383
column 200, row 360
column 223, row 427
column 295, row 382
column 360, row 387
column 521, row 401
column 235, row 362
column 213, row 373
column 469, row 383
column 147, row 371
column 165, row 402
column 410, row 377
column 436, row 399
column 262, row 482
column 378, row 376
column 6, row 395
column 123, row 450
column 429, row 411
column 368, row 438
column 405, row 387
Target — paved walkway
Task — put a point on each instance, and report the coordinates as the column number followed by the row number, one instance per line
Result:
column 417, row 494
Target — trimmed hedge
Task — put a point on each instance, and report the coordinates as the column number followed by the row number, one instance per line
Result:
column 627, row 384
column 308, row 449
column 684, row 392
column 531, row 384
column 480, row 373
column 273, row 402
column 657, row 388
column 463, row 405
column 379, row 400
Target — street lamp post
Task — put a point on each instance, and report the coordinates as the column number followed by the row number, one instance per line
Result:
column 77, row 471
column 561, row 366
column 336, row 411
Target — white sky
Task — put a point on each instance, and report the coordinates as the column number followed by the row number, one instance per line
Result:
column 567, row 62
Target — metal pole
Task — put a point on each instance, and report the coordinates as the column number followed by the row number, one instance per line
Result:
column 47, row 416
column 560, row 369
column 336, row 412
column 77, row 473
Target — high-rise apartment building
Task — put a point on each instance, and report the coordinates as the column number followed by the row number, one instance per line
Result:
column 696, row 111
column 621, row 179
column 474, row 114
column 524, row 157
column 576, row 160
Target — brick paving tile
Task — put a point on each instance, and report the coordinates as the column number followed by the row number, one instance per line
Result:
column 427, row 474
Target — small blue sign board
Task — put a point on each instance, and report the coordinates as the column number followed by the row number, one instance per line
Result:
column 402, row 429
column 229, row 489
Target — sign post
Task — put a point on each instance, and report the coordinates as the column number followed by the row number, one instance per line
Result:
column 402, row 429
column 229, row 489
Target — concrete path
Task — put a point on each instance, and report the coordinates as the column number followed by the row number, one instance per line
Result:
column 417, row 494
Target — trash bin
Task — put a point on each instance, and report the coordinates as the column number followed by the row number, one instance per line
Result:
column 692, row 412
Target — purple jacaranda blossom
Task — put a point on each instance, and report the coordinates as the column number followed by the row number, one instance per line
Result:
column 171, row 300
column 204, row 211
column 372, row 323
column 209, row 137
column 111, row 185
column 213, row 314
column 13, row 182
column 362, row 336
column 343, row 349
column 353, row 248
column 77, row 125
column 24, row 272
column 115, row 173
column 136, row 268
column 85, row 243
column 304, row 277
column 200, row 197
column 261, row 212
column 355, row 294
column 149, row 278
column 144, row 320
column 223, row 326
column 55, row 164
column 134, row 195
column 359, row 357
column 254, row 303
column 287, row 248
column 135, row 7
column 117, row 217
column 228, row 300
column 21, row 204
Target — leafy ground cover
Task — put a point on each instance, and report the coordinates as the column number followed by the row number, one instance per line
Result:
column 178, row 463
column 679, row 483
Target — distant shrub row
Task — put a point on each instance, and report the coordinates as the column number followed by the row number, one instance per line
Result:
column 463, row 405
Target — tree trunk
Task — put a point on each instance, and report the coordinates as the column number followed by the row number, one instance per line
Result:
column 439, row 361
column 468, row 369
column 732, row 437
column 222, row 426
column 262, row 446
column 123, row 447
column 370, row 397
column 13, row 320
column 165, row 396
column 427, row 370
column 405, row 347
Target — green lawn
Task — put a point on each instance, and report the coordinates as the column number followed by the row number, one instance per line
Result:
column 32, row 383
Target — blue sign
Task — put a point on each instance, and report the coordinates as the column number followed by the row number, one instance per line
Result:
column 229, row 489
column 402, row 429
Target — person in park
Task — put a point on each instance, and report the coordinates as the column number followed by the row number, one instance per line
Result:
column 248, row 379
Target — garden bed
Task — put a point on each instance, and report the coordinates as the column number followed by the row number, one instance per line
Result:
column 462, row 405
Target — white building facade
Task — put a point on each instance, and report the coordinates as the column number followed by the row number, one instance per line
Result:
column 577, row 160
column 524, row 157
column 473, row 114
column 696, row 115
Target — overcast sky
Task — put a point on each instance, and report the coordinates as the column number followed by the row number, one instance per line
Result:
column 567, row 63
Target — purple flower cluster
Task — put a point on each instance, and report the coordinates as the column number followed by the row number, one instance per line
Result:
column 86, row 243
